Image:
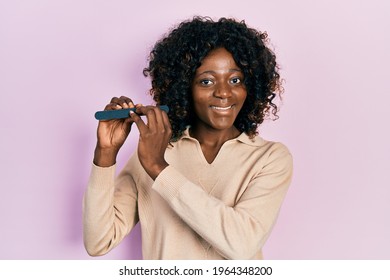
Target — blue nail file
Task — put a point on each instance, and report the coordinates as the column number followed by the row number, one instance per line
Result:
column 120, row 114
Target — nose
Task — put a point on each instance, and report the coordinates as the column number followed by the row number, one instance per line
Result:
column 222, row 91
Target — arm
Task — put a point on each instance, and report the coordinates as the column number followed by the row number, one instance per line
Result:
column 109, row 209
column 236, row 232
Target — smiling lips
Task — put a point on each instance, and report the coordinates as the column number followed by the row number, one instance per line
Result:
column 221, row 108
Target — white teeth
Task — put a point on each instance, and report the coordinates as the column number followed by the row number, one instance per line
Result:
column 221, row 108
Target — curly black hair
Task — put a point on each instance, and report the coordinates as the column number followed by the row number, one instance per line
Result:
column 174, row 59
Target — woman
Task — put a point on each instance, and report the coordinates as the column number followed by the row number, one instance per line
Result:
column 202, row 184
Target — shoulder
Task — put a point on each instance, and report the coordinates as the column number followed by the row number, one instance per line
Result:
column 259, row 143
column 277, row 149
column 270, row 153
column 279, row 157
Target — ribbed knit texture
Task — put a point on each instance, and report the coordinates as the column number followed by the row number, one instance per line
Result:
column 193, row 210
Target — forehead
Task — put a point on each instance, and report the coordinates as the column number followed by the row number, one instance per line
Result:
column 218, row 59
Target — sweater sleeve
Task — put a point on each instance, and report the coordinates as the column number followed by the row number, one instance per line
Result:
column 237, row 232
column 109, row 209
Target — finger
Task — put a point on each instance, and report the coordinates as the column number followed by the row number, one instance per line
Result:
column 138, row 105
column 124, row 102
column 115, row 100
column 166, row 122
column 128, row 122
column 112, row 106
column 159, row 118
column 142, row 127
column 127, row 100
column 152, row 118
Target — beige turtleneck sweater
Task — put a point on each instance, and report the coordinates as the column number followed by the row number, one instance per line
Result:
column 193, row 210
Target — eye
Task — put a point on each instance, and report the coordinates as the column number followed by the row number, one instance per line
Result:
column 235, row 80
column 206, row 82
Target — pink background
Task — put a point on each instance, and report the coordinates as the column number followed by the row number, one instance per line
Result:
column 60, row 61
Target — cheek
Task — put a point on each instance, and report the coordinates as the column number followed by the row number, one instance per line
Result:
column 200, row 107
column 197, row 105
column 199, row 99
column 242, row 96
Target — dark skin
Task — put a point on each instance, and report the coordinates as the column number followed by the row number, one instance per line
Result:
column 153, row 140
column 218, row 94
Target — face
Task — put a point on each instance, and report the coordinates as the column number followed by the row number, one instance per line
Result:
column 218, row 91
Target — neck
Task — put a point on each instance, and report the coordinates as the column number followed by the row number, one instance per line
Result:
column 213, row 137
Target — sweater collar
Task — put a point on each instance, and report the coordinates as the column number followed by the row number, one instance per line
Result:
column 243, row 138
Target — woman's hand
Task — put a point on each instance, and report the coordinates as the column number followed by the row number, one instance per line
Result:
column 154, row 138
column 111, row 134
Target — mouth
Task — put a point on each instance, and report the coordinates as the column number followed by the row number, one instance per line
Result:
column 222, row 108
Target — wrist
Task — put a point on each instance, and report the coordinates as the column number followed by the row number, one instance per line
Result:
column 155, row 170
column 104, row 157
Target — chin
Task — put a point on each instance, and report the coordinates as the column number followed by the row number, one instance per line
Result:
column 222, row 126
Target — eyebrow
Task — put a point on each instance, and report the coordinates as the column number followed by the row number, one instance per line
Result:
column 213, row 72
